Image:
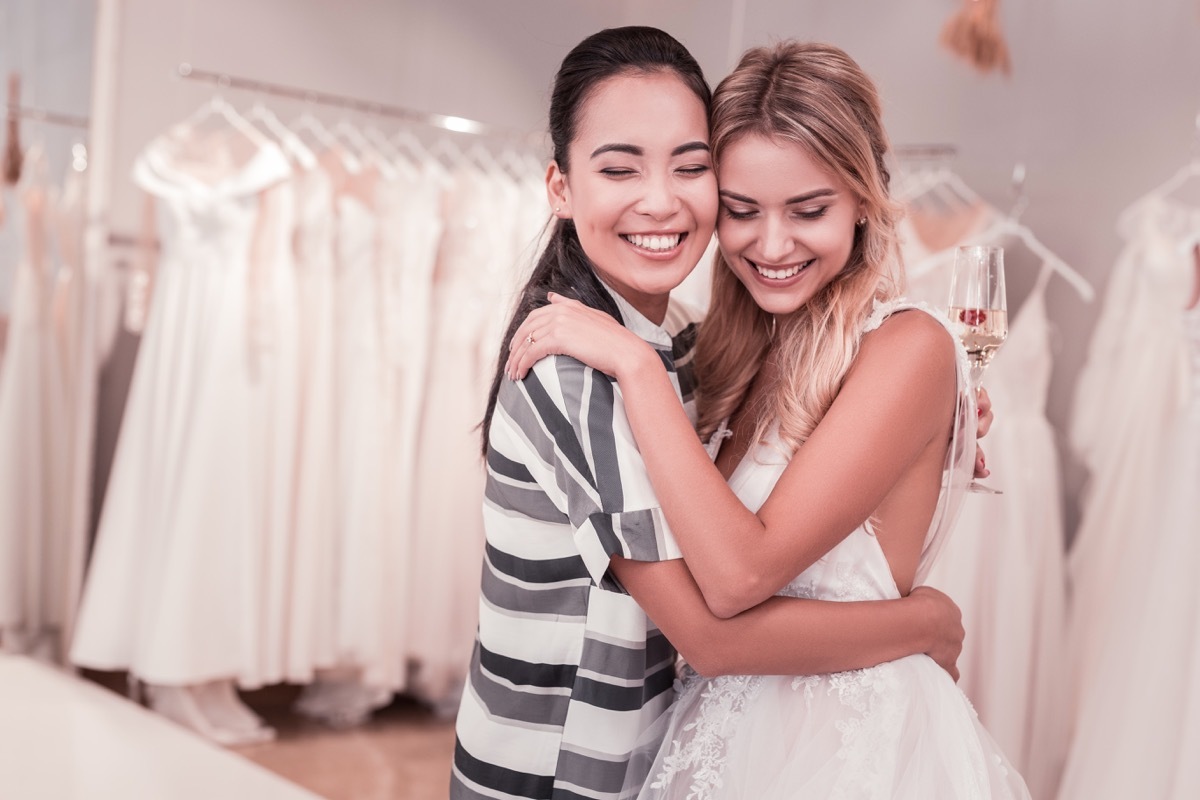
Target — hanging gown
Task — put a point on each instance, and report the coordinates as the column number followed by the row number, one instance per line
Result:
column 1133, row 384
column 411, row 230
column 360, row 454
column 1138, row 728
column 275, row 372
column 177, row 574
column 311, row 641
column 448, row 527
column 1005, row 565
column 900, row 730
column 34, row 442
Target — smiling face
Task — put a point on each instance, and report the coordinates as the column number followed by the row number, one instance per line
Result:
column 787, row 224
column 640, row 186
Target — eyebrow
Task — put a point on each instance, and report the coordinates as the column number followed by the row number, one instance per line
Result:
column 800, row 198
column 634, row 150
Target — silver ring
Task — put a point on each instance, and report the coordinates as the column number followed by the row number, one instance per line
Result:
column 529, row 339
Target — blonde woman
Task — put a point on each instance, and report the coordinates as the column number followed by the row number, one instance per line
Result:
column 841, row 435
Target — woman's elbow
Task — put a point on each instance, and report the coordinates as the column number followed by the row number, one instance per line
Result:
column 732, row 597
column 706, row 657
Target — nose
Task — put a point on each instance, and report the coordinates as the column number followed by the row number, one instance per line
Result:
column 660, row 199
column 775, row 242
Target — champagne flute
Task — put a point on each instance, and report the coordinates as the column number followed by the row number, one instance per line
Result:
column 978, row 311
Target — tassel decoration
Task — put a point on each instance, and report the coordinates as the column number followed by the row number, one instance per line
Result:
column 974, row 34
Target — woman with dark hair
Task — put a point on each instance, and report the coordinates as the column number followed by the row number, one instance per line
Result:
column 585, row 596
column 841, row 432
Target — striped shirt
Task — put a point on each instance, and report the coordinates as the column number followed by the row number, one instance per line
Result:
column 567, row 670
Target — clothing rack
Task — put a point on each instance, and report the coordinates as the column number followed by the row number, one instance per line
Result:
column 443, row 121
column 48, row 117
column 925, row 151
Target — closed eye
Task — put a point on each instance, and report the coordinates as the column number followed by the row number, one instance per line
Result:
column 734, row 214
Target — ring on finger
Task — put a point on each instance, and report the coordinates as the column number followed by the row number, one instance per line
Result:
column 529, row 339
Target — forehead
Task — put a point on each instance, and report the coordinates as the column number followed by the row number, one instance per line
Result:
column 757, row 165
column 646, row 109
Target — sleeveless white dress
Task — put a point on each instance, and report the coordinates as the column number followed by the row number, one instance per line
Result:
column 1005, row 566
column 1139, row 715
column 34, row 437
column 901, row 729
column 174, row 592
column 1133, row 385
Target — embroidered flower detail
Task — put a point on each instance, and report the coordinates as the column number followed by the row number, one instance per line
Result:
column 703, row 752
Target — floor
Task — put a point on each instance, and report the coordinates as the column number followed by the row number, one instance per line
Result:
column 64, row 737
column 402, row 754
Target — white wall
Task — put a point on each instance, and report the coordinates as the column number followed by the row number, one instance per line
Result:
column 1100, row 107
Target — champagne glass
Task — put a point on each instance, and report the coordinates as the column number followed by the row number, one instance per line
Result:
column 979, row 313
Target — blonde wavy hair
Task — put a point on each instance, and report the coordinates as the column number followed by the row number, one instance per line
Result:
column 816, row 96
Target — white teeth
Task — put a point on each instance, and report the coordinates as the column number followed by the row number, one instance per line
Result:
column 780, row 274
column 660, row 243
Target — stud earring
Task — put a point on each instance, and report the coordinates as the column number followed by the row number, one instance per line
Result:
column 558, row 209
column 862, row 220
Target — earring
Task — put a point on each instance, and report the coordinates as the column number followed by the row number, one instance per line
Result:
column 558, row 209
column 862, row 221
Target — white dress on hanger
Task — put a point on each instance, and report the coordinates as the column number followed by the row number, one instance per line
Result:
column 174, row 589
column 362, row 414
column 311, row 643
column 1004, row 567
column 897, row 731
column 447, row 540
column 1138, row 728
column 275, row 373
column 412, row 228
column 34, row 442
column 1134, row 382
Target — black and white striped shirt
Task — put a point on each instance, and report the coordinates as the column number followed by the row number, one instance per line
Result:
column 567, row 669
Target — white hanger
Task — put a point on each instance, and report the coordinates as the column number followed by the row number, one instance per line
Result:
column 1189, row 171
column 218, row 108
column 287, row 137
column 389, row 151
column 349, row 134
column 307, row 123
column 1008, row 226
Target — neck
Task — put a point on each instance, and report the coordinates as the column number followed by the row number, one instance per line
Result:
column 653, row 308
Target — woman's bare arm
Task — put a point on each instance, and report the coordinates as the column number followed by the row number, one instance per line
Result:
column 896, row 400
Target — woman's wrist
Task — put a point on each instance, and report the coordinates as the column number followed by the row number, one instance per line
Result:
column 641, row 363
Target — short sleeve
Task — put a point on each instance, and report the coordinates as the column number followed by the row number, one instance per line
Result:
column 574, row 416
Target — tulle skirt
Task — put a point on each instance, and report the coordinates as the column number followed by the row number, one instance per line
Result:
column 898, row 730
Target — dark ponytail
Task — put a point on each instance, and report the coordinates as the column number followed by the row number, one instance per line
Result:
column 563, row 267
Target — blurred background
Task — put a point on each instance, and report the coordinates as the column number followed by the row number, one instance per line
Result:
column 255, row 258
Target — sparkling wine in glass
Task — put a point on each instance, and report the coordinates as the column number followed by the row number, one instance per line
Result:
column 978, row 311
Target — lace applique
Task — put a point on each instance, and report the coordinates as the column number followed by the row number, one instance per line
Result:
column 801, row 587
column 722, row 705
column 810, row 684
column 875, row 697
column 713, row 445
column 852, row 584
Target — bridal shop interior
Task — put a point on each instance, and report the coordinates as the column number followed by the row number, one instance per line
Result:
column 240, row 484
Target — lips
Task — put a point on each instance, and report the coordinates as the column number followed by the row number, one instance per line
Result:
column 655, row 242
column 781, row 272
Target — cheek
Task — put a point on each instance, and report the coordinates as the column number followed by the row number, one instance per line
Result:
column 702, row 197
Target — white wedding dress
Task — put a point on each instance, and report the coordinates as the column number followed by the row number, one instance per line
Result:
column 901, row 729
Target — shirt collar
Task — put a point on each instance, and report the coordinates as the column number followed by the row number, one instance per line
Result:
column 636, row 322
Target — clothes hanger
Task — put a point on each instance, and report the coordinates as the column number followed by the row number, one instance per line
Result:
column 308, row 124
column 219, row 109
column 350, row 135
column 1182, row 176
column 1009, row 227
column 291, row 143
